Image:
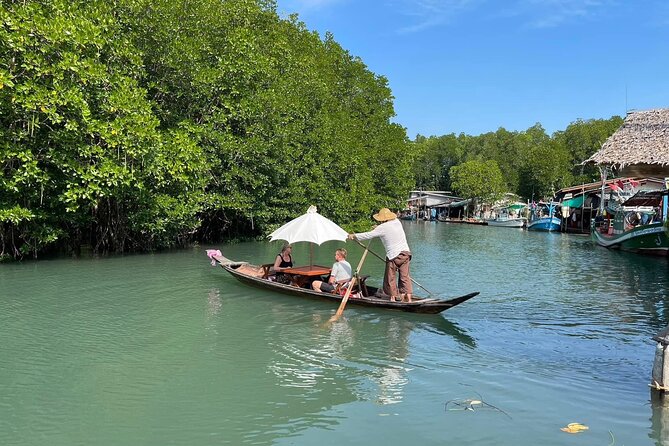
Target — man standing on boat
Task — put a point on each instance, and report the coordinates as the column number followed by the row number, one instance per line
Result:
column 398, row 254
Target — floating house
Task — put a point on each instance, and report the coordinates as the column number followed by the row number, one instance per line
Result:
column 579, row 204
column 639, row 147
column 425, row 204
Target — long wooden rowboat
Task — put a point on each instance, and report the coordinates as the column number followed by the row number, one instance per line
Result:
column 373, row 297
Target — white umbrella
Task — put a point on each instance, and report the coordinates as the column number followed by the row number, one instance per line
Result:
column 310, row 227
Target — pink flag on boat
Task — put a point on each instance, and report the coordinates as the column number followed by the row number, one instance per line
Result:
column 211, row 253
column 614, row 187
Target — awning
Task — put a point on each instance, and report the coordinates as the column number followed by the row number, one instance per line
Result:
column 646, row 198
column 515, row 207
column 574, row 202
column 457, row 204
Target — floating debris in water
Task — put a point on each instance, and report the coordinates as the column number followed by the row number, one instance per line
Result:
column 471, row 404
column 575, row 428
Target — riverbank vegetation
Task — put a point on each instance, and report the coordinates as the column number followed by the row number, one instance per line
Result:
column 143, row 124
column 532, row 163
column 133, row 125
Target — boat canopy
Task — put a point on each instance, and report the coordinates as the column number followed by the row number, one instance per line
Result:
column 576, row 202
column 516, row 206
column 510, row 207
column 646, row 198
column 457, row 204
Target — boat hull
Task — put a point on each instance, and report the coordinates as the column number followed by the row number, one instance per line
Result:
column 466, row 221
column 647, row 239
column 547, row 224
column 508, row 223
column 419, row 304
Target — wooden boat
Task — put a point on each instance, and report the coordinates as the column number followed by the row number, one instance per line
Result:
column 366, row 295
column 549, row 224
column 507, row 217
column 637, row 226
column 543, row 218
column 466, row 221
column 508, row 222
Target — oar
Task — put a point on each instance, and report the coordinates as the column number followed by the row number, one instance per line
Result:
column 384, row 261
column 340, row 310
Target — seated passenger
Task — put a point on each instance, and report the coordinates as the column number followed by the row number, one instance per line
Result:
column 340, row 274
column 283, row 260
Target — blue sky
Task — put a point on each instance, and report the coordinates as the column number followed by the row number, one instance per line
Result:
column 473, row 66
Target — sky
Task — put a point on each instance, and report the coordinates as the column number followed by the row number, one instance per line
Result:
column 473, row 66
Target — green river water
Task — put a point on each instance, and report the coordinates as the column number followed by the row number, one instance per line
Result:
column 163, row 349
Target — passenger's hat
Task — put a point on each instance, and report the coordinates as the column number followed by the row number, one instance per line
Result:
column 385, row 214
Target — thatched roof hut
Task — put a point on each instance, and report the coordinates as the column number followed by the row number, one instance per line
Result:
column 640, row 147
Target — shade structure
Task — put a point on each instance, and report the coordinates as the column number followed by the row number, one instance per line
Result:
column 310, row 227
column 574, row 202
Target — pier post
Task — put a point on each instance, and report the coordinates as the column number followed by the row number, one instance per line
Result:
column 660, row 374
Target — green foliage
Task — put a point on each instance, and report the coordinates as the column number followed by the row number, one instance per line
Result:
column 582, row 139
column 144, row 124
column 478, row 179
column 435, row 157
column 81, row 150
column 533, row 164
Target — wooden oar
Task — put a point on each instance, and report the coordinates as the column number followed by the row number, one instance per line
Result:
column 340, row 310
column 384, row 261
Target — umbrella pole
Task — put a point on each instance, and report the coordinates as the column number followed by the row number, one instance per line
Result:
column 340, row 310
column 311, row 254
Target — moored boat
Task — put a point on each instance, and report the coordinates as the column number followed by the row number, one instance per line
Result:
column 507, row 217
column 508, row 222
column 466, row 221
column 637, row 226
column 549, row 224
column 543, row 218
column 365, row 295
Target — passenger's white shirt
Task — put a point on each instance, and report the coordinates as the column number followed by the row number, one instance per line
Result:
column 341, row 270
column 391, row 234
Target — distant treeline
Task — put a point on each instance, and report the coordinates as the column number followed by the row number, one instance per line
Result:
column 141, row 124
column 531, row 163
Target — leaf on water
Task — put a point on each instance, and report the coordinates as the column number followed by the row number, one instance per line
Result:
column 574, row 428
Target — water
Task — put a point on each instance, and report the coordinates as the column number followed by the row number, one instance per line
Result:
column 164, row 349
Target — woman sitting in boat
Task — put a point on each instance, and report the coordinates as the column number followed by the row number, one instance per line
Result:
column 341, row 273
column 283, row 260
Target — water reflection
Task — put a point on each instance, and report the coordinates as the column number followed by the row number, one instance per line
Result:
column 442, row 326
column 364, row 357
column 659, row 432
column 392, row 377
column 213, row 303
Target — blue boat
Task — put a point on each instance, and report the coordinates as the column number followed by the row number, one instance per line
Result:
column 542, row 218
